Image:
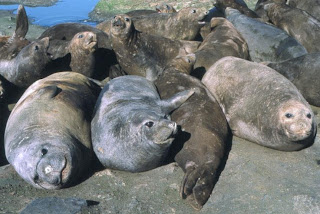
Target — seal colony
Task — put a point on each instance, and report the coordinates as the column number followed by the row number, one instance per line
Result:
column 48, row 136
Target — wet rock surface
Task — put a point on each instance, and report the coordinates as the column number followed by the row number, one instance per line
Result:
column 255, row 179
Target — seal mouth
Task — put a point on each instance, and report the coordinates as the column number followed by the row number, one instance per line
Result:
column 91, row 43
column 170, row 138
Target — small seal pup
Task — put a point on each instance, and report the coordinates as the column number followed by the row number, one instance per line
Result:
column 205, row 130
column 131, row 129
column 47, row 137
column 311, row 7
column 223, row 40
column 139, row 52
column 265, row 42
column 297, row 23
column 303, row 72
column 28, row 65
column 261, row 105
column 11, row 46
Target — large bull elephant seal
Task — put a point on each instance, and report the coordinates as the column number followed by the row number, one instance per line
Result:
column 261, row 105
column 205, row 131
column 303, row 72
column 47, row 137
column 131, row 129
column 297, row 23
column 265, row 42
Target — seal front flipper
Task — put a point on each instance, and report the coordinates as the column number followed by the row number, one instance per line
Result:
column 177, row 100
column 49, row 91
column 22, row 23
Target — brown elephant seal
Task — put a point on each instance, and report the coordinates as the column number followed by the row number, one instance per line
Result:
column 28, row 65
column 66, row 31
column 204, row 131
column 236, row 4
column 297, row 23
column 131, row 128
column 303, row 72
column 224, row 40
column 47, row 137
column 311, row 7
column 165, row 8
column 139, row 52
column 260, row 11
column 261, row 105
column 265, row 42
column 11, row 46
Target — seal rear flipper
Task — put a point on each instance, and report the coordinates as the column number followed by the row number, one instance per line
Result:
column 176, row 100
column 22, row 24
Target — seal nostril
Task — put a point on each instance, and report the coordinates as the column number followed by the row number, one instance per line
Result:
column 309, row 115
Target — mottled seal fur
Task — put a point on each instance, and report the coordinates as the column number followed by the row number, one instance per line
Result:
column 303, row 72
column 205, row 131
column 236, row 4
column 265, row 42
column 297, row 23
column 131, row 129
column 311, row 7
column 10, row 46
column 261, row 105
column 47, row 137
column 139, row 52
column 224, row 40
column 260, row 11
column 28, row 65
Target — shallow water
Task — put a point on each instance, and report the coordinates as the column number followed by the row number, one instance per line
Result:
column 62, row 11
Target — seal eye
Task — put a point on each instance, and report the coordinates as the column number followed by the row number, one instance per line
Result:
column 44, row 151
column 80, row 36
column 36, row 47
column 149, row 124
column 193, row 11
column 127, row 19
column 309, row 115
column 289, row 115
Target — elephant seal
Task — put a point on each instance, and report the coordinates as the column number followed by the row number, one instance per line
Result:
column 311, row 7
column 66, row 31
column 265, row 42
column 139, row 52
column 205, row 130
column 297, row 23
column 28, row 65
column 47, row 137
column 303, row 72
column 224, row 40
column 259, row 8
column 236, row 4
column 261, row 105
column 11, row 46
column 131, row 129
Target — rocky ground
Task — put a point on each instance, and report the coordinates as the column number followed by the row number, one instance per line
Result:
column 31, row 3
column 254, row 180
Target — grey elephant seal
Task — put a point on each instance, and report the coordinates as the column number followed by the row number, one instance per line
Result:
column 28, row 65
column 131, row 129
column 297, row 23
column 47, row 137
column 205, row 130
column 223, row 40
column 311, row 7
column 265, row 42
column 303, row 72
column 261, row 105
column 139, row 52
column 10, row 46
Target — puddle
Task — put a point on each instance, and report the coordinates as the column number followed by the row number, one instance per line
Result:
column 63, row 11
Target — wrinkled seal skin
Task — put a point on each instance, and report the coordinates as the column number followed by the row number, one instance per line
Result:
column 261, row 105
column 139, row 52
column 205, row 131
column 130, row 127
column 265, row 42
column 11, row 46
column 303, row 72
column 297, row 23
column 28, row 65
column 184, row 24
column 236, row 4
column 224, row 40
column 311, row 7
column 66, row 31
column 47, row 137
